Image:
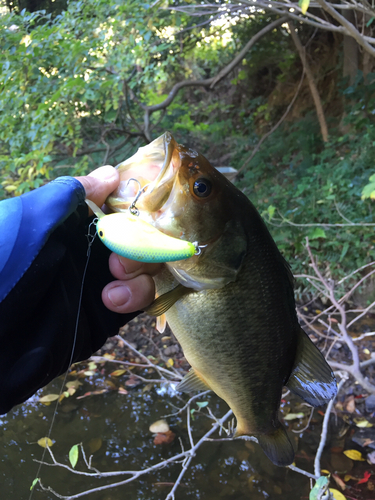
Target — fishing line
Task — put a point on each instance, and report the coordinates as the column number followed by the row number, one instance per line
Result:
column 90, row 239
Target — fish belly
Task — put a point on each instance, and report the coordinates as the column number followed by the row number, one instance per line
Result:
column 241, row 342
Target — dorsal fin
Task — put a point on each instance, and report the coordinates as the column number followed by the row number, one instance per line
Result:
column 312, row 378
column 166, row 301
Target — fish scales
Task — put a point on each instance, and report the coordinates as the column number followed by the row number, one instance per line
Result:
column 232, row 306
column 228, row 330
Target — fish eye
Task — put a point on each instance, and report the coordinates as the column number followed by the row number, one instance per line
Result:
column 202, row 187
column 101, row 233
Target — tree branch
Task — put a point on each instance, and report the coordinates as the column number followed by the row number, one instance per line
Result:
column 209, row 82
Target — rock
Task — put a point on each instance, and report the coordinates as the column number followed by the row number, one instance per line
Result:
column 370, row 403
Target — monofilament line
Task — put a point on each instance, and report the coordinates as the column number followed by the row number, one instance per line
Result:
column 90, row 239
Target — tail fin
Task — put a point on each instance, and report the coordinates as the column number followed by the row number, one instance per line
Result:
column 311, row 378
column 277, row 446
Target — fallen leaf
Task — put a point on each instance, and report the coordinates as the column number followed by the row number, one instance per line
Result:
column 49, row 398
column 367, row 442
column 339, row 481
column 44, row 442
column 354, row 455
column 109, row 356
column 366, row 477
column 159, row 426
column 117, row 373
column 362, row 423
column 95, row 444
column 73, row 455
column 169, row 363
column 132, row 382
column 293, row 416
column 92, row 366
column 88, row 373
column 164, row 437
column 74, row 384
column 93, row 393
column 349, row 404
column 348, row 477
column 337, row 495
column 123, row 391
column 371, row 458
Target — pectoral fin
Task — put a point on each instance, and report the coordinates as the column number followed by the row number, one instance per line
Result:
column 166, row 301
column 311, row 378
column 192, row 382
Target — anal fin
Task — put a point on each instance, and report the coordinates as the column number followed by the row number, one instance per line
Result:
column 161, row 323
column 166, row 301
column 277, row 446
column 312, row 378
column 192, row 382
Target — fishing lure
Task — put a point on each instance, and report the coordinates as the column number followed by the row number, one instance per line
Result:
column 129, row 236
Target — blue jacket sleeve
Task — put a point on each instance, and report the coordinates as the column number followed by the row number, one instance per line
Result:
column 43, row 252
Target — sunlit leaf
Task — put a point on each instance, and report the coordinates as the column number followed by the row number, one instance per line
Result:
column 354, row 455
column 73, row 455
column 117, row 373
column 293, row 416
column 49, row 398
column 44, row 442
column 109, row 356
column 36, row 480
column 337, row 495
column 304, row 5
column 363, row 423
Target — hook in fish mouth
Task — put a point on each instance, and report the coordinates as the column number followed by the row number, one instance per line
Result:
column 133, row 209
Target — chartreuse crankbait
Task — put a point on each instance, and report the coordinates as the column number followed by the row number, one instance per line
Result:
column 129, row 236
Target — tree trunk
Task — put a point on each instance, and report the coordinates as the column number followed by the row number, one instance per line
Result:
column 311, row 81
column 350, row 51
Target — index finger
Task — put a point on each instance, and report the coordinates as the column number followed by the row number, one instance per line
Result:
column 125, row 269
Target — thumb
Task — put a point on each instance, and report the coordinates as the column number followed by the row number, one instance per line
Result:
column 100, row 183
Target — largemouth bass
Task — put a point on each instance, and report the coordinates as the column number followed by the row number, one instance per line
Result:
column 232, row 306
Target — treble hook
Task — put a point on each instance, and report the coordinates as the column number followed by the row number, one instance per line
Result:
column 133, row 209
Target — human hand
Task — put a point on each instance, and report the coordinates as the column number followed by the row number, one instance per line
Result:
column 134, row 289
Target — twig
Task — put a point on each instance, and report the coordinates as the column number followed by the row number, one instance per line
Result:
column 323, row 435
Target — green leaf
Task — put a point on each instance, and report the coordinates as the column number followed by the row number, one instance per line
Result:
column 202, row 404
column 320, row 486
column 271, row 211
column 344, row 250
column 73, row 455
column 36, row 480
column 304, row 5
column 316, row 233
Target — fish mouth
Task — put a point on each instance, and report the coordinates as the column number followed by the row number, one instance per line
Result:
column 151, row 169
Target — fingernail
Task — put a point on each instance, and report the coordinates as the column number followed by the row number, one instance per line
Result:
column 119, row 295
column 106, row 173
